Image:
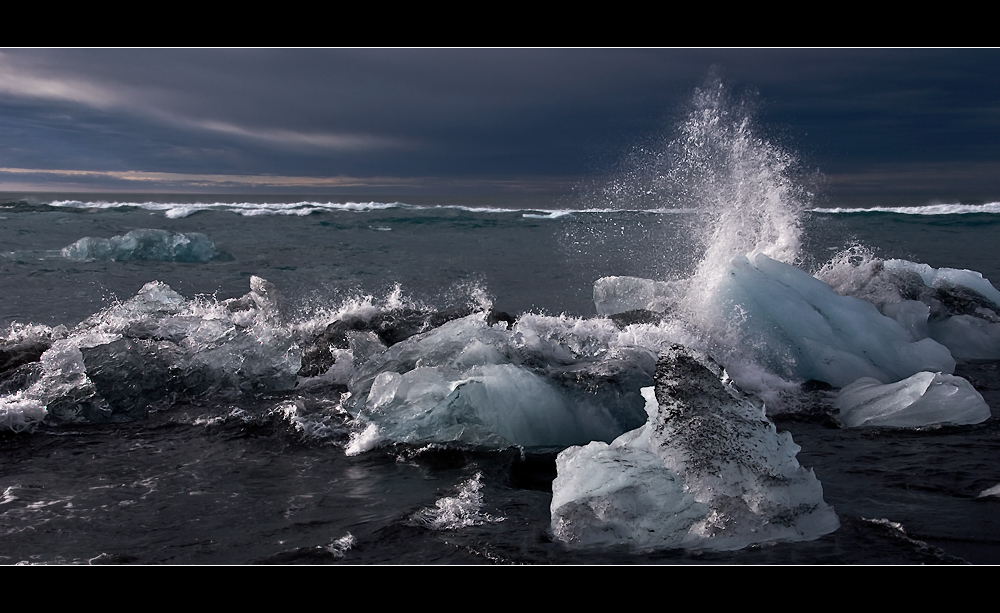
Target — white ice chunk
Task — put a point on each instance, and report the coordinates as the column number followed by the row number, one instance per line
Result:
column 707, row 471
column 993, row 491
column 799, row 326
column 912, row 315
column 163, row 346
column 492, row 405
column 546, row 381
column 923, row 399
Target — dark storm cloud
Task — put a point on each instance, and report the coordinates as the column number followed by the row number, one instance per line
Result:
column 462, row 115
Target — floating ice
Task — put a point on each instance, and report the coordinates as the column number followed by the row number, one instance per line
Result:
column 993, row 491
column 545, row 381
column 707, row 471
column 156, row 347
column 925, row 399
column 957, row 308
column 144, row 245
column 798, row 326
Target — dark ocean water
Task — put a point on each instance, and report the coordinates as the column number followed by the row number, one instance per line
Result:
column 231, row 470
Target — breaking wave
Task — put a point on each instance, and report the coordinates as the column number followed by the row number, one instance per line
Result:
column 927, row 209
column 174, row 210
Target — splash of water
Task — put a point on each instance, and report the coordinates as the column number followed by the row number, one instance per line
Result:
column 742, row 187
column 723, row 191
column 737, row 195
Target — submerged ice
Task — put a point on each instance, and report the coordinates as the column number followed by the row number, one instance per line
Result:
column 145, row 244
column 708, row 470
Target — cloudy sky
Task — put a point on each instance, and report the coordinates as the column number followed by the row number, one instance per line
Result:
column 920, row 125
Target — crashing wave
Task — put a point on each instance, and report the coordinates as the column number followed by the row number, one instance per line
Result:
column 616, row 295
column 927, row 209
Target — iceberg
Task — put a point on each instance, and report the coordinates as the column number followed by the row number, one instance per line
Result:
column 545, row 381
column 924, row 399
column 154, row 348
column 144, row 244
column 708, row 470
column 957, row 308
column 799, row 327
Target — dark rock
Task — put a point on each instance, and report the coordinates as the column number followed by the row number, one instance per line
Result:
column 815, row 385
column 694, row 400
column 637, row 316
column 397, row 325
column 950, row 300
column 494, row 317
column 613, row 383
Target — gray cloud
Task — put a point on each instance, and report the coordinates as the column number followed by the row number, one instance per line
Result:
column 502, row 115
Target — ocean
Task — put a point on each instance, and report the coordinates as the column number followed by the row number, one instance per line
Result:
column 220, row 379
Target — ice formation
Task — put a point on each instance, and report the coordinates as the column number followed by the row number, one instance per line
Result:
column 778, row 316
column 957, row 308
column 924, row 399
column 144, row 244
column 153, row 348
column 799, row 327
column 708, row 470
column 544, row 381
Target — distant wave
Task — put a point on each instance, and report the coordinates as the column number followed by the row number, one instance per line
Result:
column 550, row 214
column 930, row 209
column 175, row 210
